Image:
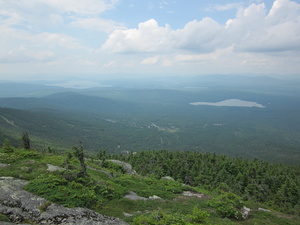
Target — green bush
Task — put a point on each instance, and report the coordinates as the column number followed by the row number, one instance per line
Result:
column 55, row 188
column 227, row 205
column 9, row 157
column 113, row 166
column 199, row 216
column 7, row 148
column 28, row 153
column 160, row 218
column 57, row 160
column 4, row 218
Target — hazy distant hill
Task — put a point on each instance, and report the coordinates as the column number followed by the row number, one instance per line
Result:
column 117, row 119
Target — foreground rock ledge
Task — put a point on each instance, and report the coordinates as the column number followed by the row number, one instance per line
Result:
column 20, row 205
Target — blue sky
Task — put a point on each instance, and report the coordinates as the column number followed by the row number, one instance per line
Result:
column 53, row 39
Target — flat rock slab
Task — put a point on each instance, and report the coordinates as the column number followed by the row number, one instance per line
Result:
column 20, row 205
column 3, row 165
column 133, row 196
column 53, row 168
column 195, row 194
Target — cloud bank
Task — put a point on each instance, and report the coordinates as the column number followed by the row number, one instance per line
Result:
column 253, row 30
column 63, row 36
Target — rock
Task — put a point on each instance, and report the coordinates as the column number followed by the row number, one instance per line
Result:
column 245, row 212
column 126, row 166
column 133, row 196
column 154, row 197
column 192, row 194
column 7, row 178
column 127, row 214
column 264, row 210
column 20, row 205
column 53, row 168
column 168, row 178
column 2, row 165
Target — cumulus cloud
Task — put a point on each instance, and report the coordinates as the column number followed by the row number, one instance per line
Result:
column 253, row 29
column 149, row 37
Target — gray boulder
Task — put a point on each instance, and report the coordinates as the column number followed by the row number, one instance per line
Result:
column 245, row 212
column 20, row 205
column 53, row 168
column 126, row 167
column 2, row 165
column 133, row 196
column 167, row 178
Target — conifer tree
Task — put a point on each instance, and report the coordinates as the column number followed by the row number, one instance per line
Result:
column 79, row 154
column 6, row 146
column 26, row 140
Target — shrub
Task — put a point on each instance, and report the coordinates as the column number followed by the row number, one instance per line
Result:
column 160, row 218
column 55, row 188
column 7, row 147
column 199, row 216
column 113, row 166
column 4, row 218
column 8, row 157
column 227, row 205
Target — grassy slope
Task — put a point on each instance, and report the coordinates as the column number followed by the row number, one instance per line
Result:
column 105, row 194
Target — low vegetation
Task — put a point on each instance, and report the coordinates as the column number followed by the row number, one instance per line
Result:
column 105, row 185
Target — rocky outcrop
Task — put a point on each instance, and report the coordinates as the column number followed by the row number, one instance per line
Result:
column 133, row 196
column 53, row 168
column 264, row 210
column 2, row 165
column 20, row 205
column 126, row 167
column 245, row 212
column 167, row 178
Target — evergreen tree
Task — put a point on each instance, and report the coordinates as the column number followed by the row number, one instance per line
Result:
column 6, row 146
column 79, row 154
column 26, row 140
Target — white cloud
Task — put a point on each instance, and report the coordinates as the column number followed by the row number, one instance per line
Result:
column 96, row 24
column 225, row 6
column 276, row 31
column 149, row 37
column 55, row 34
column 200, row 36
column 23, row 55
column 150, row 60
column 20, row 46
column 110, row 64
column 253, row 29
column 40, row 14
column 29, row 28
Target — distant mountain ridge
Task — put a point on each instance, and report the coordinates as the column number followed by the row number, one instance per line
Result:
column 119, row 119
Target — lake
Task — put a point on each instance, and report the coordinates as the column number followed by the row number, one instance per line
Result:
column 232, row 103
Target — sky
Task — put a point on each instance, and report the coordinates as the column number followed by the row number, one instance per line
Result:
column 53, row 39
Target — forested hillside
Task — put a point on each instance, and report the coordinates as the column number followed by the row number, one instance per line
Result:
column 273, row 185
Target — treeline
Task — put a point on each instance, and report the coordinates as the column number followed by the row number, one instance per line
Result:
column 273, row 185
